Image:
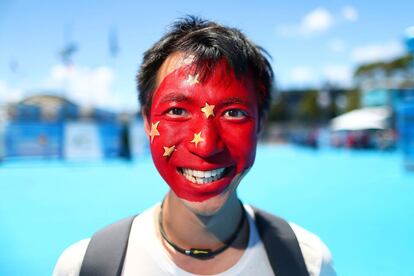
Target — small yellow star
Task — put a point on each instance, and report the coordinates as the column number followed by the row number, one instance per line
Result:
column 197, row 138
column 208, row 110
column 191, row 80
column 168, row 151
column 154, row 131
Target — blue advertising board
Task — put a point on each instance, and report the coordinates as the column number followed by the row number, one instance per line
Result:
column 72, row 140
column 405, row 128
column 35, row 139
column 110, row 134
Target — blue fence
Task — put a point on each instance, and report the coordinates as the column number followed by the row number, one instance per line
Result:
column 111, row 139
column 405, row 126
column 47, row 139
column 33, row 139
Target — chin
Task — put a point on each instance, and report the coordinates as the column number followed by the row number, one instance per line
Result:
column 211, row 206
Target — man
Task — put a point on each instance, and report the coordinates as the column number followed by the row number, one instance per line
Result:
column 204, row 92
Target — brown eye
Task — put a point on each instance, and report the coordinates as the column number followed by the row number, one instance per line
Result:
column 235, row 114
column 176, row 112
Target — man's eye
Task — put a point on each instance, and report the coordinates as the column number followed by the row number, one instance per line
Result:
column 176, row 112
column 235, row 114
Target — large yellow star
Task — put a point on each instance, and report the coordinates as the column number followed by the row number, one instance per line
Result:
column 197, row 138
column 168, row 151
column 154, row 131
column 208, row 110
column 192, row 79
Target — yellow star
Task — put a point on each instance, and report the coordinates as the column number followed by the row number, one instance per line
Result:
column 154, row 131
column 208, row 110
column 168, row 151
column 191, row 80
column 197, row 138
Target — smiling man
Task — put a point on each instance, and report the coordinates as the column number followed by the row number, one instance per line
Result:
column 204, row 91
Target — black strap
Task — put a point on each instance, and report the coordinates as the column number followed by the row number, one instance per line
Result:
column 281, row 245
column 106, row 251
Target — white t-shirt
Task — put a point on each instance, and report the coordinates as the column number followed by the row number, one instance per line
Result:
column 144, row 247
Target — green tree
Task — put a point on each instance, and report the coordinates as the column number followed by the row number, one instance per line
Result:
column 398, row 71
column 309, row 110
column 278, row 110
column 353, row 98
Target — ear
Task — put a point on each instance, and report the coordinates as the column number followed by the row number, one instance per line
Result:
column 261, row 122
column 147, row 127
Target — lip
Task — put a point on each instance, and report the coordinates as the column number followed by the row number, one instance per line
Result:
column 208, row 189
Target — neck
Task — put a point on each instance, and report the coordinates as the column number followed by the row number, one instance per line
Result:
column 188, row 229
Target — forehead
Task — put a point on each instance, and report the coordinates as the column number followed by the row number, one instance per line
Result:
column 178, row 69
column 172, row 63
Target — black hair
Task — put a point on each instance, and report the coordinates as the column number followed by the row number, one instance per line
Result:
column 208, row 43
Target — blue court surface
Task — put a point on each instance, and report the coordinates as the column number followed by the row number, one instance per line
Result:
column 360, row 203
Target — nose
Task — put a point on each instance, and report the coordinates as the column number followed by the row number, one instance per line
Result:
column 207, row 142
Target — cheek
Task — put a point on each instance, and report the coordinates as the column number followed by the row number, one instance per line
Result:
column 172, row 134
column 241, row 141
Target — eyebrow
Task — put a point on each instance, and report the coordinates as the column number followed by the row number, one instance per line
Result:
column 231, row 101
column 174, row 97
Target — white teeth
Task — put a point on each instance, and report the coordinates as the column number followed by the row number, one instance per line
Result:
column 198, row 173
column 203, row 177
column 218, row 172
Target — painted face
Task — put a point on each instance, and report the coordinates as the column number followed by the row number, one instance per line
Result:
column 203, row 135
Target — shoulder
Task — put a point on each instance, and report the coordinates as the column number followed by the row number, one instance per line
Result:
column 70, row 261
column 317, row 256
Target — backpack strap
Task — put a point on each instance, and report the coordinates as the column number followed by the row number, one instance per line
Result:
column 281, row 245
column 106, row 251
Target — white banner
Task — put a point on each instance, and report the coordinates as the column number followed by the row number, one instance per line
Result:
column 2, row 146
column 82, row 141
column 138, row 139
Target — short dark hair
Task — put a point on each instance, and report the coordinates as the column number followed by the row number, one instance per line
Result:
column 208, row 42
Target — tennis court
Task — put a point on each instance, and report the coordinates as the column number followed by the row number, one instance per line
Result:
column 360, row 203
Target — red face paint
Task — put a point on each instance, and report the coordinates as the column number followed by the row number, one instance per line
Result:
column 197, row 153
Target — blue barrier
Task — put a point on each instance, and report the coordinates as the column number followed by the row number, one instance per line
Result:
column 33, row 139
column 405, row 127
column 110, row 134
column 47, row 139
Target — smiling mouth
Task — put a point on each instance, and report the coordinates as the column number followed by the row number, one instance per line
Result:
column 203, row 177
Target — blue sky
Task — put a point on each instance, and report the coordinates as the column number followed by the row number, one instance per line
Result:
column 311, row 42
